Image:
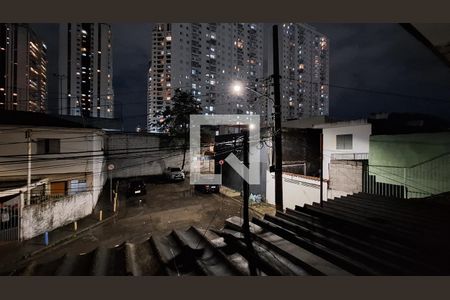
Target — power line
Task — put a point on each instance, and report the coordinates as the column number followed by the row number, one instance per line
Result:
column 120, row 168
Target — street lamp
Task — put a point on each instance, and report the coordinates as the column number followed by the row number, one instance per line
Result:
column 237, row 88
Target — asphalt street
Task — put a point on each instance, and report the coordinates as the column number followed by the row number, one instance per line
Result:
column 165, row 207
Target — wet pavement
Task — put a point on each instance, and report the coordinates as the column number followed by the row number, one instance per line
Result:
column 165, row 207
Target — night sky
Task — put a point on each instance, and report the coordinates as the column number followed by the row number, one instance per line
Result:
column 375, row 57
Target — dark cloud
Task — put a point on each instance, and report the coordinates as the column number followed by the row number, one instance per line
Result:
column 376, row 57
column 131, row 54
column 383, row 57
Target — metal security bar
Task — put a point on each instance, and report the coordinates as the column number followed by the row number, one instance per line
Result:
column 9, row 222
column 44, row 198
column 424, row 179
column 349, row 156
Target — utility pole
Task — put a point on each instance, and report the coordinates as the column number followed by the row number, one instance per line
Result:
column 28, row 137
column 321, row 169
column 246, row 198
column 277, row 145
column 110, row 169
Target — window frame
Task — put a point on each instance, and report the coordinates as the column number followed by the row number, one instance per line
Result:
column 48, row 147
column 346, row 143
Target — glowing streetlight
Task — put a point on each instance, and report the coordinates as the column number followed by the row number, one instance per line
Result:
column 237, row 88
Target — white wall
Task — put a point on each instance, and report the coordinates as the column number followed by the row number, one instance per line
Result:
column 81, row 152
column 142, row 155
column 297, row 190
column 77, row 146
column 361, row 135
column 39, row 218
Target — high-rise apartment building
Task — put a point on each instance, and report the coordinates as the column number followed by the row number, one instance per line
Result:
column 206, row 59
column 304, row 71
column 86, row 70
column 23, row 69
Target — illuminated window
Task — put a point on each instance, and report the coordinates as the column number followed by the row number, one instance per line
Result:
column 239, row 44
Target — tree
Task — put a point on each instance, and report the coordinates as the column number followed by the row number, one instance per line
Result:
column 175, row 119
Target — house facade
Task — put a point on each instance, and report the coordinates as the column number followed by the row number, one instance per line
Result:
column 65, row 166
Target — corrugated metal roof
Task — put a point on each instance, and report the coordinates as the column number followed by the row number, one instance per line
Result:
column 359, row 234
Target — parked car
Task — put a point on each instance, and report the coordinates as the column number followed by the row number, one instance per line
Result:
column 135, row 188
column 172, row 173
column 207, row 188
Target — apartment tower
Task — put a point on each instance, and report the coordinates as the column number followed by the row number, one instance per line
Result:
column 304, row 71
column 206, row 59
column 23, row 69
column 85, row 70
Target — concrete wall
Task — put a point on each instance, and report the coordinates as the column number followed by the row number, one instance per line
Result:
column 361, row 134
column 421, row 162
column 346, row 176
column 81, row 151
column 143, row 154
column 39, row 218
column 297, row 190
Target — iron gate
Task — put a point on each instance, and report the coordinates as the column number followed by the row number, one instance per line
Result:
column 9, row 222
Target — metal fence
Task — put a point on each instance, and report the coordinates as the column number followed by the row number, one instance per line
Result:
column 9, row 222
column 424, row 179
column 10, row 215
column 349, row 156
column 44, row 198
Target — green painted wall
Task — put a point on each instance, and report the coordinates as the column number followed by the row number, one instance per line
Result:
column 419, row 161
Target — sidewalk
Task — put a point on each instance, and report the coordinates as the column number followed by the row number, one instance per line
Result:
column 259, row 209
column 13, row 252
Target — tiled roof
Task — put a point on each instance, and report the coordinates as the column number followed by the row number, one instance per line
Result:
column 359, row 234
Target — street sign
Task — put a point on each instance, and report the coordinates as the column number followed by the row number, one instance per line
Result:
column 221, row 162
